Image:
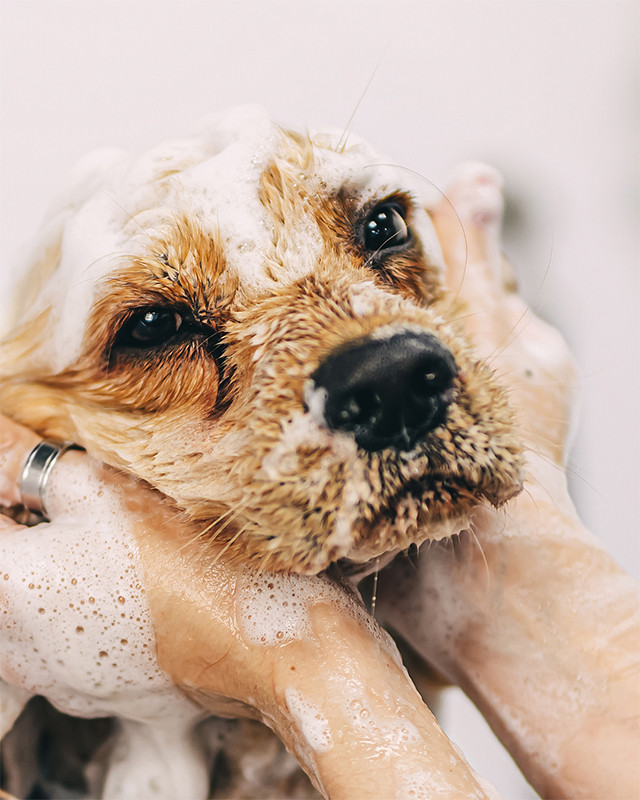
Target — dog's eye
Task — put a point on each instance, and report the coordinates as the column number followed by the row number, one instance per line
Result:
column 386, row 227
column 149, row 326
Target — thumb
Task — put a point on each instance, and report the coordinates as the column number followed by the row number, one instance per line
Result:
column 468, row 223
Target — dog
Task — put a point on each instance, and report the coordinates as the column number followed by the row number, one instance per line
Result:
column 254, row 320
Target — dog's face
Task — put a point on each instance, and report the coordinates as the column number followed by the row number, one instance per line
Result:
column 253, row 322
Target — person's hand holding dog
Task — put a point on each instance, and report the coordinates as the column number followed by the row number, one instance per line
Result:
column 527, row 612
column 332, row 685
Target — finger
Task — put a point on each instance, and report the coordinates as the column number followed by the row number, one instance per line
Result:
column 73, row 478
column 468, row 222
column 16, row 442
column 12, row 700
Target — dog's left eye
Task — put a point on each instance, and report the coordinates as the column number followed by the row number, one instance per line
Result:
column 386, row 227
column 149, row 327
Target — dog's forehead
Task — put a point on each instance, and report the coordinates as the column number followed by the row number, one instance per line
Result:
column 117, row 205
column 219, row 181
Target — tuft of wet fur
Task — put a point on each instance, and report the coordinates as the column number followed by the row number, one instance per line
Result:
column 219, row 420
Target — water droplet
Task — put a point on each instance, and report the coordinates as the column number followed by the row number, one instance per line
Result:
column 121, row 599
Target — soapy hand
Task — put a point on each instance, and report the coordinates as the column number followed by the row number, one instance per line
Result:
column 529, row 616
column 526, row 611
column 117, row 607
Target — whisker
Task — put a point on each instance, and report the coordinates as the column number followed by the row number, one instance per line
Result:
column 375, row 253
column 231, row 541
column 514, row 333
column 574, row 471
column 462, row 317
column 374, row 591
column 342, row 142
column 482, row 553
column 229, row 516
column 130, row 217
column 571, row 470
column 265, row 560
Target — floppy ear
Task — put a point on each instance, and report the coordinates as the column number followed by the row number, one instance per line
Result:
column 37, row 262
column 27, row 317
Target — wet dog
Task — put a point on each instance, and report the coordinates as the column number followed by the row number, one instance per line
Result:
column 253, row 321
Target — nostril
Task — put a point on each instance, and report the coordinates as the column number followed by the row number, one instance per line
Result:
column 431, row 377
column 354, row 409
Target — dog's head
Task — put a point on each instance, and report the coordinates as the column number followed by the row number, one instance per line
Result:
column 253, row 321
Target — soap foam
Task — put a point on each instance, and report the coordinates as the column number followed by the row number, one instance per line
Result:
column 422, row 785
column 313, row 725
column 391, row 734
column 274, row 608
column 114, row 204
column 78, row 626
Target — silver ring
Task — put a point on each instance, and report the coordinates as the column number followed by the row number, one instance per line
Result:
column 36, row 471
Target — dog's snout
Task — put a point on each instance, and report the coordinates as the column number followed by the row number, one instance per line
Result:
column 387, row 392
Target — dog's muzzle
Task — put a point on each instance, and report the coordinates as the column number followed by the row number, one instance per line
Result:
column 387, row 393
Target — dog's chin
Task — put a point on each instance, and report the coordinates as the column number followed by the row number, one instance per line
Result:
column 364, row 561
column 411, row 518
column 430, row 506
column 372, row 535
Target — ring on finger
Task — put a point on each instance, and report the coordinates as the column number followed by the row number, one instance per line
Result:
column 37, row 470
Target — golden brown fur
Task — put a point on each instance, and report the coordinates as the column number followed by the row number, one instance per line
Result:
column 218, row 420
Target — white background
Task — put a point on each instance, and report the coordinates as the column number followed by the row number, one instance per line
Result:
column 546, row 91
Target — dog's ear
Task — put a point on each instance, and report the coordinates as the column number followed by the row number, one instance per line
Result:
column 91, row 174
column 38, row 262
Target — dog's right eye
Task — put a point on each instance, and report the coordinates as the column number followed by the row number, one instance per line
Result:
column 386, row 227
column 149, row 327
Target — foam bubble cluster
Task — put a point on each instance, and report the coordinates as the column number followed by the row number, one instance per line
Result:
column 274, row 608
column 77, row 626
column 420, row 785
column 313, row 725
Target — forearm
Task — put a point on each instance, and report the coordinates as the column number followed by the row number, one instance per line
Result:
column 298, row 652
column 561, row 655
column 542, row 632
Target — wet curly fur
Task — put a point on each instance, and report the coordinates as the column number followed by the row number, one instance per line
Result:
column 217, row 416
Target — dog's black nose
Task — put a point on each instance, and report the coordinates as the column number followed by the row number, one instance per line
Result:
column 387, row 392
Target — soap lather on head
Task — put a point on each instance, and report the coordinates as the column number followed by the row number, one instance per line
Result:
column 254, row 321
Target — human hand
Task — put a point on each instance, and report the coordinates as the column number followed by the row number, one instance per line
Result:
column 526, row 612
column 131, row 613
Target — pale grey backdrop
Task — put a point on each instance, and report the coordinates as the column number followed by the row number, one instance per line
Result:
column 546, row 91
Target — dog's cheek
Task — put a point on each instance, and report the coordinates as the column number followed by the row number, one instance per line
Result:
column 481, row 422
